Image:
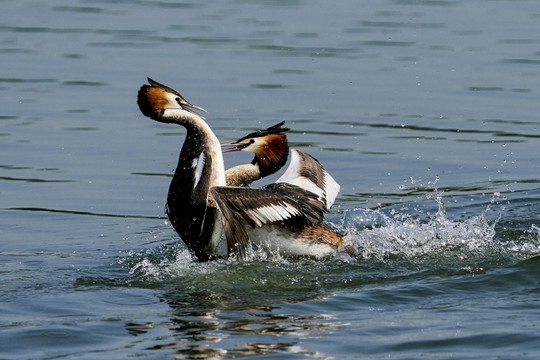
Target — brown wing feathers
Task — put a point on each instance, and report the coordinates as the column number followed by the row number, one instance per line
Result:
column 281, row 202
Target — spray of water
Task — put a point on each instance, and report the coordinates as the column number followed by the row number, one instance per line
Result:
column 386, row 236
column 400, row 235
column 414, row 236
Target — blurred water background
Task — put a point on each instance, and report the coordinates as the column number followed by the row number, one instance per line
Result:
column 425, row 111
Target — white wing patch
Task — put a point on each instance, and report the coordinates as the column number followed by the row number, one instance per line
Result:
column 198, row 165
column 292, row 176
column 272, row 213
column 292, row 171
column 332, row 189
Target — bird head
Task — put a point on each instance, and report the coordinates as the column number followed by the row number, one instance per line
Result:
column 270, row 147
column 156, row 99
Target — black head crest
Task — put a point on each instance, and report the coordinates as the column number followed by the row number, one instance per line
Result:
column 272, row 130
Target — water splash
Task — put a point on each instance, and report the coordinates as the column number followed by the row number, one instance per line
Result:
column 159, row 263
column 527, row 244
column 176, row 261
column 398, row 235
column 415, row 233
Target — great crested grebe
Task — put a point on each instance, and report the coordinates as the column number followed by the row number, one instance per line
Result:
column 190, row 207
column 290, row 211
column 286, row 216
column 271, row 150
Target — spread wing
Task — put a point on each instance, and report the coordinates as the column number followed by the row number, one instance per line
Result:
column 281, row 202
column 307, row 172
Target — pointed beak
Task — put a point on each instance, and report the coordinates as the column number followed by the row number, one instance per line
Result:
column 191, row 108
column 233, row 147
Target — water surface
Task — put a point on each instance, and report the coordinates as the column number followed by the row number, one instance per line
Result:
column 424, row 111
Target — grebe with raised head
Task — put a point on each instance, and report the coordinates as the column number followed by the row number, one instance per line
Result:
column 271, row 150
column 190, row 206
column 199, row 203
column 286, row 216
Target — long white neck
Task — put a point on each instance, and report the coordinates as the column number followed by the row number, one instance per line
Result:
column 242, row 175
column 199, row 131
column 190, row 205
column 213, row 149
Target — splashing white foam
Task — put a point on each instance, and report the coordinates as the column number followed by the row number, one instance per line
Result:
column 173, row 261
column 419, row 236
column 160, row 263
column 528, row 244
column 371, row 234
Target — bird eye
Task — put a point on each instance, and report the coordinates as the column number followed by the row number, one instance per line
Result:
column 251, row 141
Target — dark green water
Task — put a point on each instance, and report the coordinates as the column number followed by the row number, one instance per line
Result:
column 426, row 112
